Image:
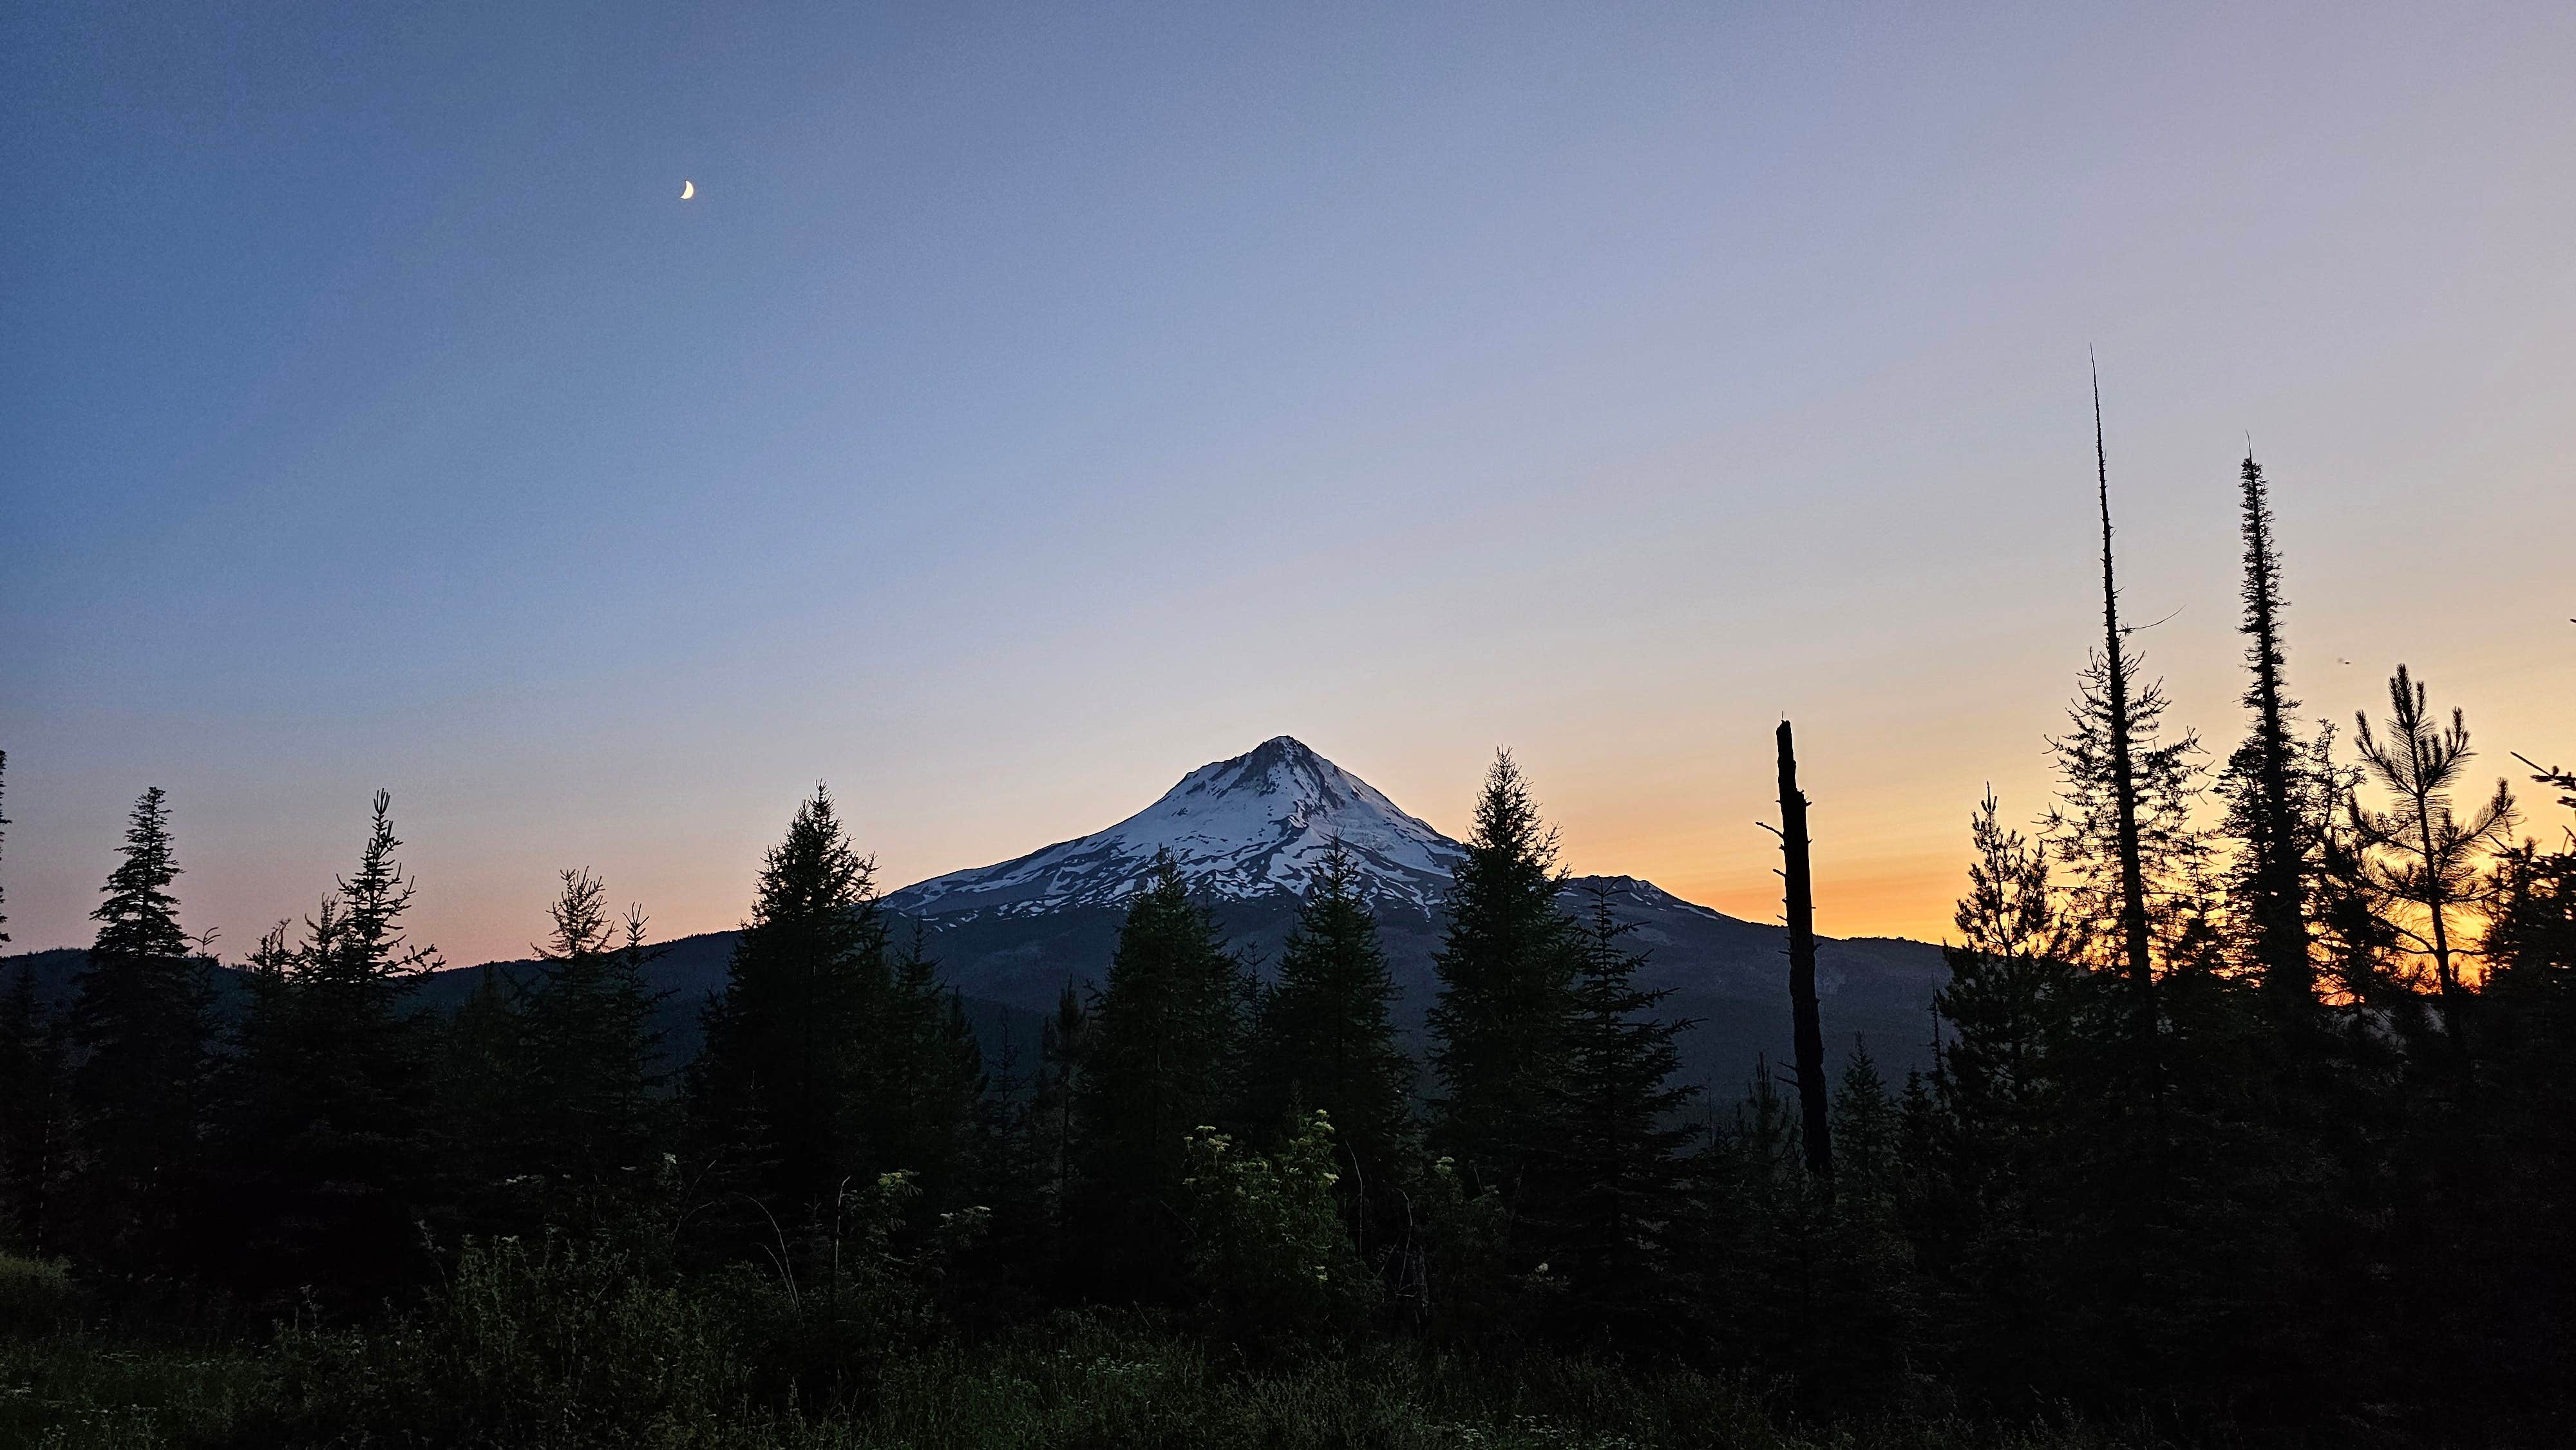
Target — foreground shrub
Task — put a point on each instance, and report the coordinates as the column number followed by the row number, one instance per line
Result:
column 556, row 1344
column 1269, row 1250
column 37, row 1296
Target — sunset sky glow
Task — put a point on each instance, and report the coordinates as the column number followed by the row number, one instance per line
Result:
column 1034, row 403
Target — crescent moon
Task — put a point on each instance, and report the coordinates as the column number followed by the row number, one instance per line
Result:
column 688, row 189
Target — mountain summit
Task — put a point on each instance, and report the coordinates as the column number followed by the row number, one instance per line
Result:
column 1248, row 834
column 1253, row 826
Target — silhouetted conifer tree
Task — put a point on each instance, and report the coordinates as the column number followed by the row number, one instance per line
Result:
column 1064, row 1044
column 2423, row 852
column 1609, row 1186
column 590, row 1116
column 2354, row 946
column 2074, row 1249
column 333, row 1150
column 1867, row 1293
column 1165, row 1035
column 2527, row 1046
column 1009, row 1183
column 782, row 1085
column 1323, row 1040
column 930, row 1100
column 483, row 1056
column 34, row 1105
column 2123, row 821
column 2010, row 1001
column 2270, row 802
column 1756, row 1246
column 1867, row 1125
column 35, row 1120
column 1506, row 968
column 139, row 1020
column 2240, row 1179
column 1990, row 1214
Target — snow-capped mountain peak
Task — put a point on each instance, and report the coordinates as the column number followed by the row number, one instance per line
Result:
column 1250, row 826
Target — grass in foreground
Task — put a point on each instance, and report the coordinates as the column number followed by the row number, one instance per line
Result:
column 535, row 1355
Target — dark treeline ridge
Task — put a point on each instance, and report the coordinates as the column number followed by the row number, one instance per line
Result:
column 2251, row 1120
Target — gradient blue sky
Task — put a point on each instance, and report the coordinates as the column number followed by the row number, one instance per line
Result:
column 1037, row 402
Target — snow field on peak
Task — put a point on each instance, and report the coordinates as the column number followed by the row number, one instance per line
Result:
column 1259, row 823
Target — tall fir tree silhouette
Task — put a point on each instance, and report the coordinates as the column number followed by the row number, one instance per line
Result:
column 139, row 1019
column 336, row 1152
column 35, row 1120
column 2527, row 1007
column 1064, row 1045
column 1164, row 1043
column 929, row 1099
column 1498, row 1027
column 1610, row 1191
column 2010, row 1005
column 2009, row 1019
column 31, row 1096
column 2268, row 807
column 483, row 1060
column 2125, row 797
column 782, row 1084
column 1324, row 1041
column 1867, row 1293
column 589, row 1108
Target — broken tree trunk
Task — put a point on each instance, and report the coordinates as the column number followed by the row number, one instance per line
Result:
column 1802, row 965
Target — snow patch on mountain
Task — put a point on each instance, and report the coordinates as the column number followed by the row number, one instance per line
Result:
column 1251, row 826
column 1631, row 891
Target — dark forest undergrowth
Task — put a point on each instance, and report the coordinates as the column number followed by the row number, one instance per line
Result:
column 520, row 1354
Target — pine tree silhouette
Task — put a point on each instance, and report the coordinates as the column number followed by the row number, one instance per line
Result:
column 589, row 1108
column 1867, row 1291
column 929, row 1097
column 1609, row 1188
column 2526, row 1043
column 2010, row 1002
column 2123, row 821
column 334, row 1146
column 1164, row 1045
column 1064, row 1045
column 2423, row 852
column 1323, row 1039
column 483, row 1059
column 2265, row 805
column 139, row 1019
column 1985, row 1137
column 34, row 1105
column 783, row 1081
column 35, row 1120
column 1498, row 1028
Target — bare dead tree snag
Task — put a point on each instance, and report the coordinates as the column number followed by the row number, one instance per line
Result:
column 1801, row 913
